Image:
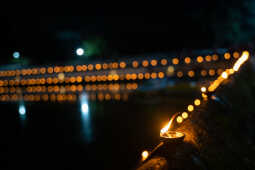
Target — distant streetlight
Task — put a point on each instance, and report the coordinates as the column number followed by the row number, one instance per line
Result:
column 16, row 55
column 80, row 51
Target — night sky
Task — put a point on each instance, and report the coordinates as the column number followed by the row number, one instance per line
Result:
column 52, row 38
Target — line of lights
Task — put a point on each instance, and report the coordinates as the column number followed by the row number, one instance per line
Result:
column 79, row 79
column 62, row 97
column 213, row 86
column 61, row 78
column 70, row 88
column 111, row 65
column 225, row 75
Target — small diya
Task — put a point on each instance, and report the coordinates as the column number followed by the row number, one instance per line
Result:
column 172, row 137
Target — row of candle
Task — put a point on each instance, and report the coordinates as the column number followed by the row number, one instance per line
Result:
column 62, row 97
column 211, row 88
column 113, row 65
column 70, row 88
column 61, row 78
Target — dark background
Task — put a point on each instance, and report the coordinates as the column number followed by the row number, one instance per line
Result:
column 52, row 134
column 186, row 25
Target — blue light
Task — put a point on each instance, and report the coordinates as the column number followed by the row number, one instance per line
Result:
column 22, row 110
column 80, row 51
column 16, row 55
column 85, row 118
column 85, row 108
column 84, row 104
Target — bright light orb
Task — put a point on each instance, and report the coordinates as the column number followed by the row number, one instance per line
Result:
column 190, row 108
column 61, row 76
column 224, row 75
column 22, row 110
column 203, row 89
column 185, row 115
column 197, row 102
column 79, row 51
column 85, row 108
column 16, row 55
column 145, row 155
column 179, row 119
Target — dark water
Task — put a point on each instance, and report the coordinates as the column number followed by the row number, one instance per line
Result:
column 110, row 135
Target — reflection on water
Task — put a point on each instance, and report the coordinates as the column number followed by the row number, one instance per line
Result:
column 22, row 112
column 22, row 109
column 98, row 130
column 85, row 118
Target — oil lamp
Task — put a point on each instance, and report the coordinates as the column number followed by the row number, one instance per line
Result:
column 173, row 137
column 169, row 139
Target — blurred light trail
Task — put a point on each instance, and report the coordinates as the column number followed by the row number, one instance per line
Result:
column 241, row 60
column 225, row 74
column 85, row 118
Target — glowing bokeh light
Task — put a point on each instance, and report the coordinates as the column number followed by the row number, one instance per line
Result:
column 185, row 115
column 175, row 61
column 145, row 155
column 22, row 109
column 187, row 60
column 203, row 89
column 61, row 76
column 80, row 51
column 16, row 55
column 179, row 119
column 179, row 74
column 224, row 75
column 84, row 104
column 190, row 108
column 227, row 56
column 170, row 70
column 197, row 102
column 208, row 58
column 241, row 60
column 200, row 59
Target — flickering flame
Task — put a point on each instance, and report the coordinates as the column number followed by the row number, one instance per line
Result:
column 168, row 126
column 241, row 60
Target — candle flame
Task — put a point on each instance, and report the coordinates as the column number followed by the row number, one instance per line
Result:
column 168, row 126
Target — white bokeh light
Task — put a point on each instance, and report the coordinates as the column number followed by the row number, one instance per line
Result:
column 80, row 51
